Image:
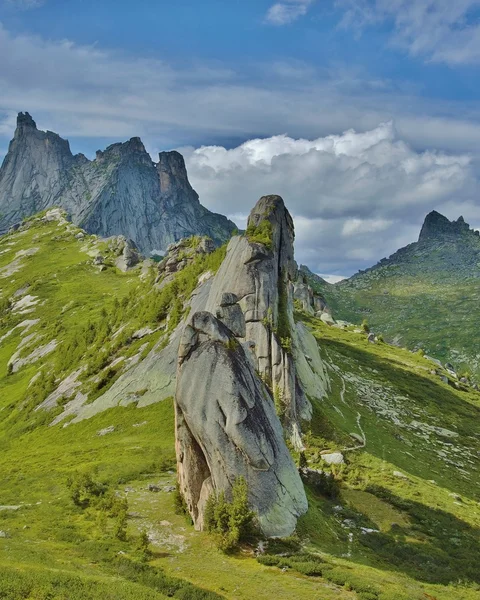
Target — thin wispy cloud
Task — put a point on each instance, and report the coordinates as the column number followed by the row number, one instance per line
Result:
column 24, row 4
column 443, row 31
column 284, row 13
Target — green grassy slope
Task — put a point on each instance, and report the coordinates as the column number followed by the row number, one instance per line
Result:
column 402, row 524
column 424, row 296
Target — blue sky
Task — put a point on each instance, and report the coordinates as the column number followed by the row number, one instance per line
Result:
column 403, row 74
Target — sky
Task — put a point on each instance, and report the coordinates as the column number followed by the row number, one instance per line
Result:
column 363, row 114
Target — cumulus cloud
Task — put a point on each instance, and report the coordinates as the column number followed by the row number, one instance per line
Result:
column 355, row 197
column 441, row 30
column 343, row 189
column 283, row 13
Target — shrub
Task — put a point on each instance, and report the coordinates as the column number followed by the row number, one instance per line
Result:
column 302, row 562
column 231, row 522
column 83, row 489
column 365, row 326
column 180, row 506
column 143, row 545
column 261, row 233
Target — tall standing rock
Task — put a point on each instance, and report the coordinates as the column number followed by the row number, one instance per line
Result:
column 259, row 269
column 237, row 379
column 121, row 192
column 226, row 427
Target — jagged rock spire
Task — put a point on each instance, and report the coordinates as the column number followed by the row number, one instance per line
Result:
column 237, row 381
column 436, row 226
column 24, row 120
column 121, row 192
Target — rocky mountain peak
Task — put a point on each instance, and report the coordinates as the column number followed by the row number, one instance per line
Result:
column 25, row 121
column 121, row 192
column 172, row 174
column 437, row 226
column 132, row 149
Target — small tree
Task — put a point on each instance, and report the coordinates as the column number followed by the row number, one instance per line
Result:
column 144, row 545
column 231, row 522
column 209, row 513
column 365, row 326
column 120, row 527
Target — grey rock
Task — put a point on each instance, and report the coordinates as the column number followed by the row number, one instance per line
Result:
column 228, row 299
column 371, row 338
column 4, row 534
column 333, row 458
column 262, row 279
column 106, row 430
column 436, row 226
column 233, row 318
column 153, row 488
column 182, row 253
column 99, row 260
column 120, row 192
column 130, row 256
column 226, row 427
column 327, row 318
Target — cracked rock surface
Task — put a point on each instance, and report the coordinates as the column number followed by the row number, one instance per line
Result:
column 226, row 427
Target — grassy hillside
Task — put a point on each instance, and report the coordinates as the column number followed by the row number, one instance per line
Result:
column 424, row 296
column 399, row 520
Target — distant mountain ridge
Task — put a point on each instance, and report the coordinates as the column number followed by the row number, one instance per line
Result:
column 425, row 295
column 121, row 191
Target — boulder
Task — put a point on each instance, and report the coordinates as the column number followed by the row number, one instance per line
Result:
column 130, row 256
column 333, row 458
column 326, row 318
column 227, row 426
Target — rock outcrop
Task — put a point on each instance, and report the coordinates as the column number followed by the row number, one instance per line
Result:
column 259, row 269
column 121, row 192
column 226, row 427
column 182, row 253
column 237, row 381
column 437, row 227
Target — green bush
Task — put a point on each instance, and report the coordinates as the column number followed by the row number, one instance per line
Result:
column 83, row 489
column 231, row 522
column 303, row 562
column 261, row 233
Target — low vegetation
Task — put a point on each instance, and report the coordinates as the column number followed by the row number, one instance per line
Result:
column 88, row 510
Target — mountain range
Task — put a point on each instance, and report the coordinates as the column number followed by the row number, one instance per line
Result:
column 217, row 425
column 121, row 191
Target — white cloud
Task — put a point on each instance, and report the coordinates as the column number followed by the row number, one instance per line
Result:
column 440, row 30
column 25, row 4
column 83, row 91
column 331, row 278
column 360, row 226
column 283, row 13
column 355, row 197
column 375, row 174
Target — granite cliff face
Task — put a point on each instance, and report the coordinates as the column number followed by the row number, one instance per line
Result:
column 120, row 192
column 243, row 373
